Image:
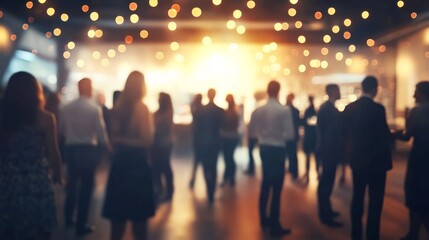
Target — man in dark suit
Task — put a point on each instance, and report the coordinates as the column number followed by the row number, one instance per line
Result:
column 209, row 119
column 370, row 157
column 330, row 129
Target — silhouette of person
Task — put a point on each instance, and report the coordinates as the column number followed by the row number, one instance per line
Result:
column 129, row 191
column 196, row 105
column 416, row 179
column 28, row 135
column 370, row 157
column 252, row 141
column 161, row 148
column 329, row 126
column 292, row 145
column 273, row 125
column 310, row 137
column 83, row 128
column 230, row 138
column 209, row 118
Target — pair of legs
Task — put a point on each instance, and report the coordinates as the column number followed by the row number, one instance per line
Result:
column 209, row 155
column 81, row 161
column 197, row 161
column 324, row 191
column 118, row 230
column 376, row 183
column 272, row 181
column 251, row 144
column 291, row 150
column 162, row 172
column 416, row 220
column 307, row 164
column 228, row 148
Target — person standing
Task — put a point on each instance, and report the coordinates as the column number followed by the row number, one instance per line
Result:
column 161, row 148
column 209, row 119
column 292, row 145
column 196, row 106
column 370, row 157
column 273, row 125
column 28, row 155
column 416, row 178
column 310, row 137
column 129, row 192
column 84, row 131
column 230, row 137
column 329, row 126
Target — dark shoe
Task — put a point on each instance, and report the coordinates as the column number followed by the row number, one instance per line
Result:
column 331, row 223
column 279, row 232
column 84, row 231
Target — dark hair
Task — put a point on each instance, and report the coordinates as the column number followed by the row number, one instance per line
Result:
column 423, row 88
column 230, row 100
column 331, row 88
column 21, row 101
column 273, row 88
column 165, row 103
column 116, row 95
column 369, row 84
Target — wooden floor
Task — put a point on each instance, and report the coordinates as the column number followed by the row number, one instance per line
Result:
column 234, row 214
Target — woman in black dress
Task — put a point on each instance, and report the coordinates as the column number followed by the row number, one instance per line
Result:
column 28, row 152
column 129, row 193
column 417, row 176
column 310, row 137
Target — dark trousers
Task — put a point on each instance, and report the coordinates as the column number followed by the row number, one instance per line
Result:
column 291, row 149
column 162, row 172
column 251, row 144
column 376, row 183
column 324, row 189
column 81, row 161
column 209, row 155
column 273, row 160
column 228, row 148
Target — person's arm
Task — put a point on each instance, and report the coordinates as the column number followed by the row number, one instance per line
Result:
column 51, row 145
column 100, row 129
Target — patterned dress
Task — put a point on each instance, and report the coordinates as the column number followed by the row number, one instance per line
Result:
column 26, row 197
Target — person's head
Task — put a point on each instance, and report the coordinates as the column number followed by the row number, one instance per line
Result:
column 230, row 100
column 211, row 94
column 22, row 99
column 370, row 86
column 164, row 101
column 273, row 89
column 198, row 98
column 116, row 95
column 289, row 98
column 311, row 99
column 135, row 88
column 421, row 94
column 101, row 99
column 333, row 91
column 85, row 87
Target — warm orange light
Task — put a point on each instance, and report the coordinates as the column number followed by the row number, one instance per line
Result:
column 176, row 7
column 57, row 32
column 50, row 11
column 129, row 39
column 251, row 4
column 66, row 54
column 13, row 37
column 24, row 26
column 144, row 34
column 382, row 48
column 292, row 12
column 48, row 34
column 29, row 4
column 301, row 39
column 71, row 45
column 172, row 13
column 64, row 17
column 119, row 20
column 413, row 15
column 347, row 35
column 318, row 15
column 237, row 14
column 370, row 42
column 196, row 12
column 217, row 2
column 94, row 16
column 133, row 6
column 85, row 8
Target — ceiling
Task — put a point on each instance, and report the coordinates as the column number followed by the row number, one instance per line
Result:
column 258, row 22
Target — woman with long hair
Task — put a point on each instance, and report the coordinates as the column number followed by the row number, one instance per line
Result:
column 416, row 178
column 230, row 137
column 161, row 148
column 129, row 193
column 28, row 155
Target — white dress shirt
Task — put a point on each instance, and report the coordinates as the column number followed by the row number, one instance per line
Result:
column 82, row 123
column 272, row 124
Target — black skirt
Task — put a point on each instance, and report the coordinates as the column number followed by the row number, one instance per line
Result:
column 129, row 192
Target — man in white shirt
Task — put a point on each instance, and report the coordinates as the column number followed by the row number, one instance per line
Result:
column 84, row 131
column 273, row 125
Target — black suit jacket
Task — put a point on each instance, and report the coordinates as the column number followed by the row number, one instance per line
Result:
column 208, row 120
column 368, row 136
